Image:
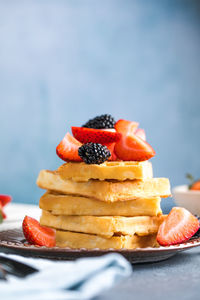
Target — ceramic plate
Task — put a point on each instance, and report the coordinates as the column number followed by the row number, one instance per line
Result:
column 12, row 241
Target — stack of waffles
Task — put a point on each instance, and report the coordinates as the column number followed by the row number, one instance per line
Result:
column 115, row 204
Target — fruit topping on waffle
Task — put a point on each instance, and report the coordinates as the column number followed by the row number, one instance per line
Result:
column 123, row 139
column 101, row 122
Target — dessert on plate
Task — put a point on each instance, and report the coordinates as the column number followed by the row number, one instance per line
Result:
column 104, row 195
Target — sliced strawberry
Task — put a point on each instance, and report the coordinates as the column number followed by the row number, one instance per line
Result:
column 3, row 214
column 36, row 234
column 68, row 148
column 87, row 135
column 179, row 226
column 133, row 148
column 130, row 146
column 141, row 133
column 111, row 147
column 126, row 127
column 5, row 199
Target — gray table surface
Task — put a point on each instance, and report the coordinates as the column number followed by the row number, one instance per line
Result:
column 172, row 279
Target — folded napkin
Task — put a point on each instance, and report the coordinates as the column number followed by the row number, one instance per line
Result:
column 84, row 278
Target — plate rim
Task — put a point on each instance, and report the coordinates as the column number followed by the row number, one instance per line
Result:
column 193, row 242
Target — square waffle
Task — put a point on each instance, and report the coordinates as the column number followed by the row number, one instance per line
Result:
column 105, row 190
column 76, row 240
column 118, row 170
column 103, row 226
column 83, row 206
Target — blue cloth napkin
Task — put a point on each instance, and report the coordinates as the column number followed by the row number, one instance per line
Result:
column 84, row 278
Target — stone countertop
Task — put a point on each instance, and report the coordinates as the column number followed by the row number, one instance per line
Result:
column 175, row 278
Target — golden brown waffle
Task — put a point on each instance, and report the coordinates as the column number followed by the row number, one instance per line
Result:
column 82, row 206
column 103, row 226
column 105, row 190
column 76, row 240
column 118, row 170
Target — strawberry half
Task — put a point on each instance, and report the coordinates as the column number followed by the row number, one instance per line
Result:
column 68, row 148
column 130, row 146
column 179, row 226
column 5, row 199
column 2, row 214
column 126, row 127
column 38, row 235
column 87, row 135
column 111, row 148
column 141, row 133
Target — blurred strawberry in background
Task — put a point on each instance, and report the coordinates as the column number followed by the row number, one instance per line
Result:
column 4, row 200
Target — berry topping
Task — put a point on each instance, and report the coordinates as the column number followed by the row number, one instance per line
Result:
column 141, row 133
column 90, row 135
column 111, row 148
column 101, row 122
column 36, row 234
column 68, row 148
column 126, row 127
column 93, row 153
column 179, row 226
column 131, row 146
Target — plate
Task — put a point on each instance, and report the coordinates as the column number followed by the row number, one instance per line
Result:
column 13, row 242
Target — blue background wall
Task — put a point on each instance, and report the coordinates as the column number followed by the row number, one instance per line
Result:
column 62, row 62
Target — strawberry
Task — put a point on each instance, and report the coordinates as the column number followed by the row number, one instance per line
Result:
column 87, row 135
column 5, row 199
column 133, row 148
column 126, row 127
column 130, row 146
column 3, row 214
column 141, row 133
column 195, row 186
column 111, row 147
column 36, row 234
column 68, row 148
column 179, row 226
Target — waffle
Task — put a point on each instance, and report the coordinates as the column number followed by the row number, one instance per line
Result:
column 105, row 190
column 76, row 240
column 118, row 170
column 104, row 226
column 77, row 205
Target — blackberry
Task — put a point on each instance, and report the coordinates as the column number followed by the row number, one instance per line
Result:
column 93, row 153
column 101, row 122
